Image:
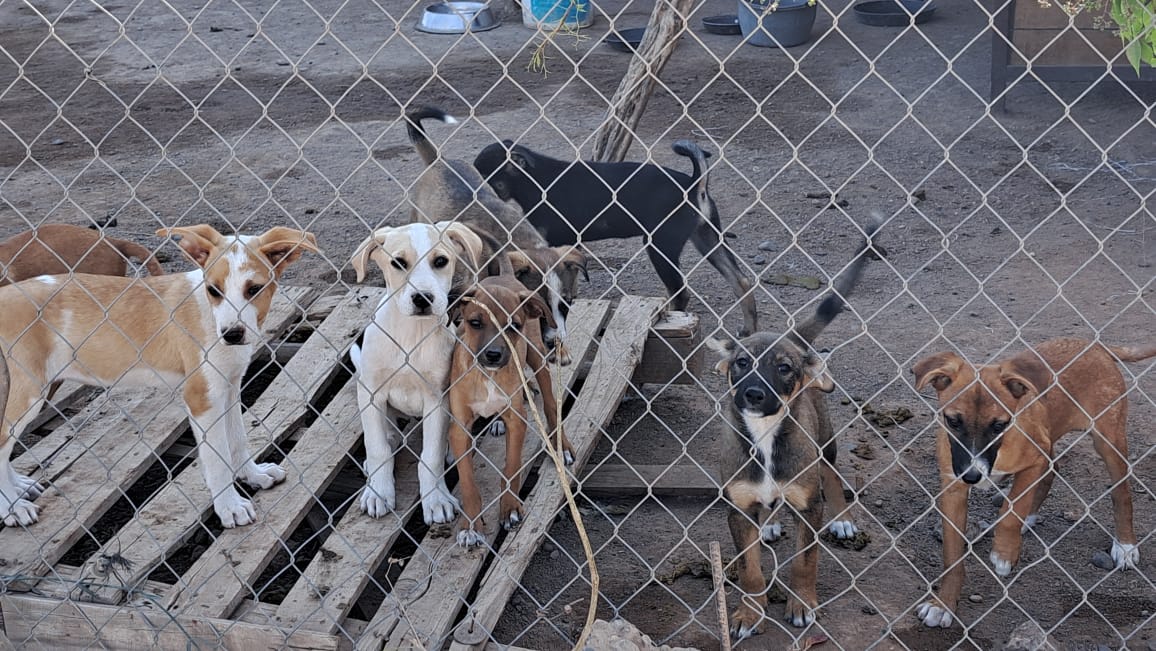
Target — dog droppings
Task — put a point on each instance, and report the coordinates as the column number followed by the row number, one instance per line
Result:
column 1103, row 560
column 868, row 610
column 864, row 451
column 854, row 543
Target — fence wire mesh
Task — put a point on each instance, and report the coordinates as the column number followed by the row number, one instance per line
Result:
column 1003, row 147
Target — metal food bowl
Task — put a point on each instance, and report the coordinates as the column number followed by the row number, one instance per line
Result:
column 456, row 18
column 625, row 40
column 894, row 12
column 727, row 24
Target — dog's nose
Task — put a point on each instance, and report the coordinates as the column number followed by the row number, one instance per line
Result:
column 493, row 356
column 972, row 476
column 234, row 336
column 754, row 395
column 422, row 301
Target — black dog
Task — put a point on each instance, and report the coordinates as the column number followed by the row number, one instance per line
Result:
column 570, row 202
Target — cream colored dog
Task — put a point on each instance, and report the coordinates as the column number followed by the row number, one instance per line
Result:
column 403, row 363
column 193, row 330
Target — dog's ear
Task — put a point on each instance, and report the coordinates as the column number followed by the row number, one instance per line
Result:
column 535, row 307
column 467, row 242
column 198, row 242
column 282, row 246
column 519, row 262
column 1025, row 375
column 456, row 305
column 522, row 157
column 725, row 349
column 938, row 370
column 369, row 249
column 576, row 260
column 816, row 371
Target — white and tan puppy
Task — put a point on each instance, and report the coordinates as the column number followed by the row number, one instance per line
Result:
column 194, row 331
column 403, row 364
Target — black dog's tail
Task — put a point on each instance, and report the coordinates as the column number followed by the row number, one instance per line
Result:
column 700, row 176
column 844, row 285
column 417, row 135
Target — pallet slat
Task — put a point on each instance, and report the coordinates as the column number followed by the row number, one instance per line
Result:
column 167, row 519
column 675, row 480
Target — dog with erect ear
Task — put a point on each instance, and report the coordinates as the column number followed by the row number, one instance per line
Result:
column 403, row 362
column 781, row 448
column 195, row 331
column 1004, row 418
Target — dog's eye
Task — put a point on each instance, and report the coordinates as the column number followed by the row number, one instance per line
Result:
column 440, row 261
column 742, row 363
column 213, row 291
column 254, row 290
column 954, row 421
column 999, row 426
column 398, row 263
column 517, row 325
column 476, row 324
column 784, row 369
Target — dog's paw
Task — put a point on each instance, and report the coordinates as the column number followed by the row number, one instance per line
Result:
column 27, row 487
column 497, row 427
column 438, row 506
column 934, row 615
column 799, row 614
column 843, row 529
column 568, row 457
column 771, row 531
column 262, row 475
column 234, row 510
column 512, row 515
column 470, row 537
column 1030, row 522
column 745, row 622
column 1002, row 566
column 1126, row 556
column 21, row 513
column 377, row 501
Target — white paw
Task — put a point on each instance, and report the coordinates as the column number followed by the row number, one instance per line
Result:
column 497, row 427
column 469, row 538
column 805, row 619
column 1030, row 522
column 438, row 506
column 843, row 529
column 262, row 475
column 771, row 531
column 234, row 510
column 21, row 512
column 934, row 615
column 567, row 458
column 744, row 631
column 1126, row 556
column 27, row 487
column 1002, row 567
column 376, row 502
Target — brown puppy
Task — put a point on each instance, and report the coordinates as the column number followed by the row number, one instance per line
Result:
column 553, row 274
column 485, row 383
column 61, row 248
column 1003, row 419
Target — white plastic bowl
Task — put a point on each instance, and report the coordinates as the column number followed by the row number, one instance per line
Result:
column 456, row 18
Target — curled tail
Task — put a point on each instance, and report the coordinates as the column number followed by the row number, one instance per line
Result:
column 1132, row 353
column 417, row 134
column 844, row 285
column 134, row 250
column 700, row 176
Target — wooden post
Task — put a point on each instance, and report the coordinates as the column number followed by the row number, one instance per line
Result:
column 616, row 134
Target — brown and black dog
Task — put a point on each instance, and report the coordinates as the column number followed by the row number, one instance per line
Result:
column 485, row 383
column 1003, row 419
column 781, row 449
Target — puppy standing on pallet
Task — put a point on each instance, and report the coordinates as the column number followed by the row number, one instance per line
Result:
column 403, row 364
column 571, row 202
column 1003, row 419
column 194, row 330
column 485, row 383
column 781, row 449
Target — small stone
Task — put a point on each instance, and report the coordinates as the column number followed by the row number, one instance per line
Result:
column 57, row 141
column 554, row 555
column 1103, row 560
column 878, row 503
column 997, row 499
column 975, row 599
column 1071, row 516
column 548, row 547
column 760, row 260
column 919, row 195
column 767, row 246
column 1028, row 636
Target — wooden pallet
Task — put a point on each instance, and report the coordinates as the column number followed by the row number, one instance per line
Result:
column 116, row 598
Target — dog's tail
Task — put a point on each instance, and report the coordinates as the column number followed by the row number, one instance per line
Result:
column 417, row 134
column 699, row 176
column 1132, row 353
column 134, row 250
column 844, row 285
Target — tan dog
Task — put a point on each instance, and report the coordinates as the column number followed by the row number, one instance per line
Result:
column 553, row 274
column 61, row 248
column 193, row 330
column 1003, row 419
column 485, row 383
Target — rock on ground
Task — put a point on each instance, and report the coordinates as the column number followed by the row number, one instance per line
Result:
column 621, row 635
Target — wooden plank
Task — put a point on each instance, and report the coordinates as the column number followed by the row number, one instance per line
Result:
column 1052, row 47
column 221, row 577
column 114, row 449
column 677, row 480
column 336, row 577
column 673, row 352
column 618, row 354
column 178, row 508
column 36, row 623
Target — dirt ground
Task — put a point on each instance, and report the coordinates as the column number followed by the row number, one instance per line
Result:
column 1004, row 228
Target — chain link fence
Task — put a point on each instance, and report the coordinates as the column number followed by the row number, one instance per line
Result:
column 1015, row 206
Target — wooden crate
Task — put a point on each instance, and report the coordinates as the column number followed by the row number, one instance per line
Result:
column 166, row 575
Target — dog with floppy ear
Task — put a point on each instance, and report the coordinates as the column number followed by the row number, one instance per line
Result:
column 1004, row 419
column 781, row 449
column 194, row 330
column 485, row 383
column 403, row 363
column 553, row 274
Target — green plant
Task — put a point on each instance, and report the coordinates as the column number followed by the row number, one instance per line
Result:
column 539, row 60
column 1133, row 20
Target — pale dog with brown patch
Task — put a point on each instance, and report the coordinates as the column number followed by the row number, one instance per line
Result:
column 193, row 330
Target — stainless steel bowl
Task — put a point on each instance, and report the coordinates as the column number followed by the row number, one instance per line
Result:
column 456, row 18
